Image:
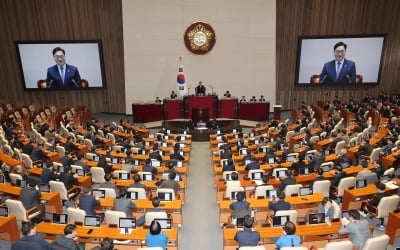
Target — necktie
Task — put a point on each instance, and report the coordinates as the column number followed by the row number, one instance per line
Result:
column 338, row 70
column 62, row 74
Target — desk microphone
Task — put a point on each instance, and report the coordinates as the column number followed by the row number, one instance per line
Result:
column 74, row 82
column 348, row 78
column 51, row 82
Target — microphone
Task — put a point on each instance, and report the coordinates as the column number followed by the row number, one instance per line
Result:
column 323, row 79
column 51, row 82
column 74, row 82
column 348, row 78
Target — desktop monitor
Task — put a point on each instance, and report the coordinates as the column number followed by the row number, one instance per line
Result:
column 92, row 221
column 60, row 218
column 155, row 163
column 234, row 194
column 326, row 168
column 290, row 158
column 221, row 144
column 236, row 136
column 305, row 171
column 240, row 222
column 281, row 173
column 182, row 145
column 128, row 223
column 280, row 221
column 114, row 160
column 247, row 162
column 361, row 183
column 316, row 218
column 228, row 177
column 164, row 223
column 142, row 152
column 168, row 131
column 165, row 196
column 271, row 160
column 271, row 139
column 306, row 191
column 136, row 162
column 44, row 187
column 96, row 158
column 21, row 183
column 271, row 194
column 179, row 164
column 99, row 193
column 181, row 153
column 257, row 175
column 80, row 172
column 147, row 177
column 4, row 211
column 133, row 195
column 124, row 176
column 243, row 151
column 151, row 136
column 345, row 164
column 219, row 132
column 177, row 178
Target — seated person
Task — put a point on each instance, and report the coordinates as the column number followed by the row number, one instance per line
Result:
column 358, row 230
column 326, row 207
column 227, row 94
column 240, row 203
column 253, row 99
column 155, row 201
column 253, row 164
column 108, row 183
column 234, row 182
column 66, row 240
column 320, row 176
column 158, row 100
column 243, row 99
column 173, row 95
column 171, row 183
column 289, row 237
column 247, row 237
column 229, row 166
column 370, row 204
column 288, row 180
column 148, row 167
column 28, row 229
column 279, row 203
column 87, row 202
column 155, row 238
column 176, row 155
column 124, row 204
column 262, row 99
column 136, row 182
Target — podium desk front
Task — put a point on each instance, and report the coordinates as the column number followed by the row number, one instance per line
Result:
column 173, row 109
column 148, row 112
column 201, row 102
column 228, row 108
column 254, row 111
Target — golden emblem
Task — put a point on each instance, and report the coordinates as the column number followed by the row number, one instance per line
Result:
column 199, row 38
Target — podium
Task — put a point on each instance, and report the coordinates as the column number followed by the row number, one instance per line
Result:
column 147, row 112
column 228, row 108
column 200, row 102
column 173, row 108
column 277, row 112
column 200, row 115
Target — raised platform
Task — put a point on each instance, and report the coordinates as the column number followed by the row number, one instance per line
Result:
column 200, row 133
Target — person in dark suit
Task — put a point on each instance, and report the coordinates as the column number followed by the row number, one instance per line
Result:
column 124, row 204
column 358, row 230
column 226, row 154
column 28, row 229
column 320, row 176
column 229, row 166
column 148, row 167
column 108, row 183
column 288, row 180
column 66, row 240
column 48, row 174
column 247, row 237
column 339, row 70
column 30, row 197
column 240, row 204
column 279, row 203
column 173, row 95
column 200, row 89
column 38, row 153
column 70, row 145
column 68, row 178
column 62, row 75
column 370, row 205
column 171, row 183
column 136, row 182
column 176, row 155
column 87, row 202
column 156, row 203
column 253, row 164
column 316, row 161
column 155, row 154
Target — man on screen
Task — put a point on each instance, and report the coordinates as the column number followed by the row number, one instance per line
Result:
column 339, row 70
column 62, row 75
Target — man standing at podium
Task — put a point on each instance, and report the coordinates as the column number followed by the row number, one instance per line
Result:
column 200, row 89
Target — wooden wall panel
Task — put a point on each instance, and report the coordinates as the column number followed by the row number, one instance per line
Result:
column 334, row 17
column 63, row 20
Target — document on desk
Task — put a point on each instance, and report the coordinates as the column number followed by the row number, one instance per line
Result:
column 391, row 185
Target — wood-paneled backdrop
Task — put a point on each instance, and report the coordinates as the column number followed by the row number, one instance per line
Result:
column 63, row 20
column 334, row 17
column 102, row 20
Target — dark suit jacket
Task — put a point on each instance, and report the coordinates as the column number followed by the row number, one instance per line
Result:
column 287, row 181
column 37, row 154
column 200, row 90
column 247, row 237
column 72, row 78
column 239, row 205
column 347, row 73
column 280, row 205
column 37, row 239
column 29, row 197
column 124, row 205
column 88, row 203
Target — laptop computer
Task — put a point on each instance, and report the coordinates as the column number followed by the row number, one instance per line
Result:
column 279, row 221
column 305, row 191
column 178, row 164
column 243, row 151
column 290, row 158
column 92, row 221
column 327, row 152
column 124, row 176
column 44, row 187
column 96, row 158
column 114, row 160
column 271, row 194
column 60, row 218
column 271, row 160
column 99, row 193
column 136, row 162
column 281, row 173
column 4, row 211
column 361, row 183
column 316, row 218
column 219, row 137
column 165, row 196
column 128, row 223
column 21, row 183
column 326, row 168
column 247, row 162
column 164, row 223
column 256, row 142
column 257, row 175
column 345, row 164
column 155, row 163
column 305, row 171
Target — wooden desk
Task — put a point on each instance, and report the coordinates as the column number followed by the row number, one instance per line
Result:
column 85, row 181
column 54, row 204
column 357, row 195
column 254, row 111
column 172, row 206
column 9, row 228
column 324, row 143
column 53, row 156
column 9, row 160
column 393, row 226
column 147, row 112
column 137, row 235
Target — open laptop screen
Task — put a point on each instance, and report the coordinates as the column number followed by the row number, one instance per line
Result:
column 21, row 183
column 306, row 191
column 92, row 221
column 60, row 218
column 80, row 172
column 124, row 176
column 4, row 211
column 133, row 195
column 281, row 173
column 361, row 183
column 99, row 193
column 165, row 196
column 256, row 176
column 316, row 218
column 290, row 158
column 239, row 222
column 280, row 221
column 305, row 171
column 271, row 194
column 155, row 163
column 147, row 177
column 44, row 188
